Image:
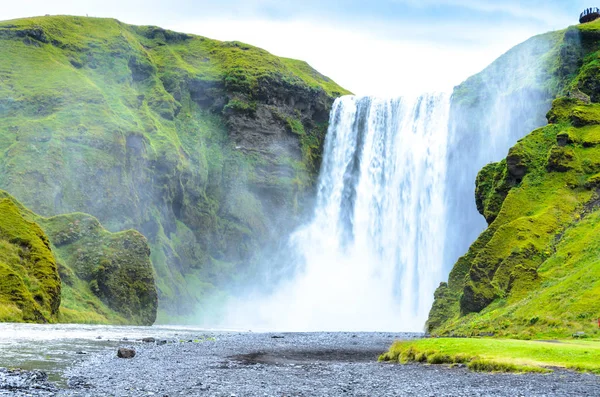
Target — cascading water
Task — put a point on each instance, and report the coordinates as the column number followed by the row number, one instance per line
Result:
column 372, row 255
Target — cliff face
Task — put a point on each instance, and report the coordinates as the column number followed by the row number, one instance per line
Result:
column 204, row 147
column 69, row 269
column 534, row 271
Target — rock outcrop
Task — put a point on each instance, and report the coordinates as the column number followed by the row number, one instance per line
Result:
column 69, row 269
column 115, row 267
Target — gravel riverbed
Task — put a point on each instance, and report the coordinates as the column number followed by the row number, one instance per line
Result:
column 290, row 364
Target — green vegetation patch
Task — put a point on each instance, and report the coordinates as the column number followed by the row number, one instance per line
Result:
column 68, row 268
column 499, row 355
column 29, row 281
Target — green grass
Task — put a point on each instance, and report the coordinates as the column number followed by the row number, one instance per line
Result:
column 108, row 276
column 500, row 355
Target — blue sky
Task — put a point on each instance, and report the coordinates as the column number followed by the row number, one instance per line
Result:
column 379, row 47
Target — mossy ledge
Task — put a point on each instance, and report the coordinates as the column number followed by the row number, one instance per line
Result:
column 207, row 148
column 68, row 268
column 534, row 273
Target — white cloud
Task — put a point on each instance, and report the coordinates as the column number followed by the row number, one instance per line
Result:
column 362, row 62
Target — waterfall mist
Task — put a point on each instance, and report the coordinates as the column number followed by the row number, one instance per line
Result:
column 371, row 256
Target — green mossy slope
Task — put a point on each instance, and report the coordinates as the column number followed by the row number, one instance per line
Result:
column 207, row 148
column 29, row 281
column 535, row 271
column 68, row 268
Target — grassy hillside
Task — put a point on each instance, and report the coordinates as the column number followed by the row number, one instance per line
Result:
column 68, row 268
column 207, row 148
column 535, row 271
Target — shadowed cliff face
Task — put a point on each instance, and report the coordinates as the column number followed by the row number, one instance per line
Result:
column 534, row 271
column 207, row 148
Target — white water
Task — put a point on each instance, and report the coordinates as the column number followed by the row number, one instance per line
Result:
column 372, row 256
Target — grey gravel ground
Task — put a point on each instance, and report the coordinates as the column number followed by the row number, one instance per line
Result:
column 315, row 364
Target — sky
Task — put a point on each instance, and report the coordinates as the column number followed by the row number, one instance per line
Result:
column 370, row 47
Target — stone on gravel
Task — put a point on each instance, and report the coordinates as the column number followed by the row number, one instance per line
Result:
column 148, row 340
column 124, row 352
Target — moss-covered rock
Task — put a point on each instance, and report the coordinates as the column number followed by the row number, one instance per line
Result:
column 534, row 272
column 492, row 185
column 115, row 267
column 68, row 268
column 202, row 146
column 29, row 281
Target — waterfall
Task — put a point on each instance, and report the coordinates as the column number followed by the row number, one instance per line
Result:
column 395, row 205
column 372, row 255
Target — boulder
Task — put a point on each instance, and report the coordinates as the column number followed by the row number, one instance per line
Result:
column 124, row 352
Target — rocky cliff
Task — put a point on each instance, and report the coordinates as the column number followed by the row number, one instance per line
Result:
column 534, row 271
column 69, row 269
column 207, row 148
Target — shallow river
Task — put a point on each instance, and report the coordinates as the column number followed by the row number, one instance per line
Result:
column 200, row 362
column 53, row 348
